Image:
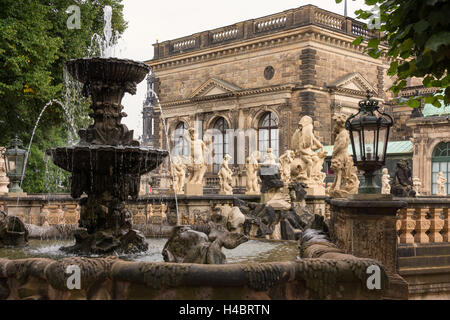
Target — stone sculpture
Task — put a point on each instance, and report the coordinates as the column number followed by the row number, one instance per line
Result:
column 197, row 165
column 270, row 158
column 441, row 181
column 417, row 184
column 12, row 231
column 225, row 177
column 186, row 245
column 179, row 174
column 107, row 163
column 285, row 166
column 402, row 185
column 346, row 180
column 4, row 180
column 307, row 165
column 385, row 182
column 252, row 166
column 232, row 217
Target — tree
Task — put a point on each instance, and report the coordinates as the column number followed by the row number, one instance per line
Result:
column 417, row 35
column 34, row 45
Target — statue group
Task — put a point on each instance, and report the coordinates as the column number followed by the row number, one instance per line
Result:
column 346, row 180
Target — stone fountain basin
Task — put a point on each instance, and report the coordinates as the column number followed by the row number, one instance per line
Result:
column 107, row 70
column 102, row 159
column 113, row 278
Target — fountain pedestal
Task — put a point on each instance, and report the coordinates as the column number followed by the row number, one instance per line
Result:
column 107, row 163
column 193, row 189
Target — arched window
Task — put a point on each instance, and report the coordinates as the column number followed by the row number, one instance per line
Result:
column 220, row 142
column 268, row 134
column 181, row 146
column 441, row 163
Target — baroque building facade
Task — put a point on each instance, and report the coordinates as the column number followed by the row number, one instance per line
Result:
column 248, row 85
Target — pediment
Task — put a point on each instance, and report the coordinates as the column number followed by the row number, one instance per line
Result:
column 353, row 82
column 214, row 87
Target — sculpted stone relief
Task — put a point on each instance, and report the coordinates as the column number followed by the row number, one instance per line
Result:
column 346, row 181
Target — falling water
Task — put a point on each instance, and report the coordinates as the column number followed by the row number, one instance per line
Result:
column 34, row 131
column 166, row 132
column 104, row 46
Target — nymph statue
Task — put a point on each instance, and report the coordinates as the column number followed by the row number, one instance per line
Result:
column 285, row 164
column 197, row 165
column 441, row 181
column 417, row 184
column 252, row 166
column 346, row 181
column 4, row 180
column 179, row 174
column 308, row 162
column 270, row 158
column 385, row 182
column 225, row 177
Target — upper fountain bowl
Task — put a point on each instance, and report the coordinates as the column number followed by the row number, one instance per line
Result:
column 107, row 70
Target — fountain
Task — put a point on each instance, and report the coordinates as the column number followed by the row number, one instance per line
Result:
column 107, row 163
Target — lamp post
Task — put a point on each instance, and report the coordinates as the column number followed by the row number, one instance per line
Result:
column 15, row 158
column 369, row 136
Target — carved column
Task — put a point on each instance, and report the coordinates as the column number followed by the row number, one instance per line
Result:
column 422, row 225
column 445, row 228
column 436, row 225
column 407, row 226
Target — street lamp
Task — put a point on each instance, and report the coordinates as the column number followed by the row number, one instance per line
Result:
column 15, row 158
column 369, row 135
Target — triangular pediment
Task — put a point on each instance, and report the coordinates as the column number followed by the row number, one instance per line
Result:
column 353, row 82
column 214, row 87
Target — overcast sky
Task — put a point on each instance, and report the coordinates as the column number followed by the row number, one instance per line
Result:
column 150, row 20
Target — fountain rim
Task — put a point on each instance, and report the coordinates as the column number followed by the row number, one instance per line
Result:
column 113, row 60
column 90, row 64
column 103, row 147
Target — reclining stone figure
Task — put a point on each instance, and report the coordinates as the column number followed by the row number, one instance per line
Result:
column 187, row 245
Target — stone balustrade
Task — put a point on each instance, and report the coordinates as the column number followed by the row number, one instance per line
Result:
column 425, row 220
column 249, row 29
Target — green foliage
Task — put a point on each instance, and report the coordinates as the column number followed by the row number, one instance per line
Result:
column 34, row 45
column 417, row 34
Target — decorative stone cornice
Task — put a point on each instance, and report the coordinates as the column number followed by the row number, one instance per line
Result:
column 231, row 94
column 302, row 34
column 421, row 90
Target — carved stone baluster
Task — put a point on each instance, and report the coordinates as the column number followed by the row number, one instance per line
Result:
column 445, row 228
column 407, row 225
column 436, row 224
column 422, row 225
column 71, row 214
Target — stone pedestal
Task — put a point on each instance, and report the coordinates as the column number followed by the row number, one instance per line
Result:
column 315, row 191
column 366, row 229
column 191, row 189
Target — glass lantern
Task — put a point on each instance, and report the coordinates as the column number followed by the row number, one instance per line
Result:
column 369, row 135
